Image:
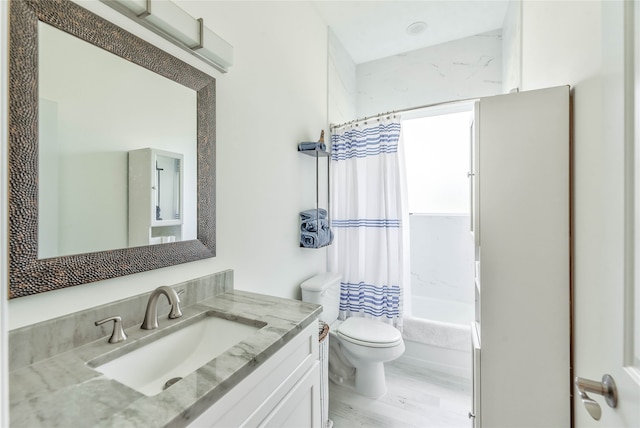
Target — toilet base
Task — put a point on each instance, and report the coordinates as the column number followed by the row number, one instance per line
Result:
column 370, row 380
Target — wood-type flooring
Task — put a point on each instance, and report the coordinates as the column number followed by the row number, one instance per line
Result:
column 416, row 397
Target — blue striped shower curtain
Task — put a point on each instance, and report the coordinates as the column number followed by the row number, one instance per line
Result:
column 367, row 220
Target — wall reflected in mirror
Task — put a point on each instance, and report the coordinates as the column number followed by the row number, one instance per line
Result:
column 95, row 108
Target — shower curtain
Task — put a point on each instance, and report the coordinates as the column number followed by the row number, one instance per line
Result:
column 367, row 219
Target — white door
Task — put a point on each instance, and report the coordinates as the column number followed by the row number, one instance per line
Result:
column 607, row 251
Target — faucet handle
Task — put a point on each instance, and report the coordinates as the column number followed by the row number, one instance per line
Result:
column 176, row 312
column 118, row 334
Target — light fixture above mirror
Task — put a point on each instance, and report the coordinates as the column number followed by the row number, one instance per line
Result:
column 169, row 21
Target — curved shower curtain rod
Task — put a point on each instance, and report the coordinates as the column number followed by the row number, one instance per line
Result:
column 394, row 112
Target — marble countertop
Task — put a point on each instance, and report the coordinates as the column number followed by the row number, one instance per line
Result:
column 63, row 391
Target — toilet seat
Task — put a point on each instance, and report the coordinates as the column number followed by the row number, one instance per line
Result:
column 369, row 333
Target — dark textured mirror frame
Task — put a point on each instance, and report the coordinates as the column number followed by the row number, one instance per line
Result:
column 28, row 274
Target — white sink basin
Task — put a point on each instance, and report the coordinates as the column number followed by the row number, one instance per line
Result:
column 147, row 369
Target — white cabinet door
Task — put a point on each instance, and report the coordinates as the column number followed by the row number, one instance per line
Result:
column 474, row 190
column 475, row 414
column 300, row 408
column 524, row 259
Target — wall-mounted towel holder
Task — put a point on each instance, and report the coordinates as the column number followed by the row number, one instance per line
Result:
column 316, row 149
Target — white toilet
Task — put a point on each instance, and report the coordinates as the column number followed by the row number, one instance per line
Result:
column 366, row 344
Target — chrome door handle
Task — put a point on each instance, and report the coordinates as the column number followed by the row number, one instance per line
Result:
column 606, row 388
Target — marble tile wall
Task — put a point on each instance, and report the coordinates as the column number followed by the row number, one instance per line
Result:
column 441, row 257
column 465, row 68
column 37, row 342
column 342, row 83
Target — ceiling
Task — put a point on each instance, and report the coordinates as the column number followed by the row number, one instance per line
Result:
column 372, row 29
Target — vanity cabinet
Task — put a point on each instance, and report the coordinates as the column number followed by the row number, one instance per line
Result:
column 521, row 227
column 156, row 204
column 283, row 392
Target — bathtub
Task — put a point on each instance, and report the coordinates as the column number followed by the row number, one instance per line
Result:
column 437, row 336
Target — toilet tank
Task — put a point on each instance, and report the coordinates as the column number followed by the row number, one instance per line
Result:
column 323, row 289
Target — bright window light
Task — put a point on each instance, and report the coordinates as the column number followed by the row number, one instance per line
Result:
column 437, row 151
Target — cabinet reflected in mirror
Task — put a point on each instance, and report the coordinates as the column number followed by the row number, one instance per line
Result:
column 155, row 197
column 167, row 188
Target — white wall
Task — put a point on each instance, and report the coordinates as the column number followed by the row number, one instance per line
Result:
column 512, row 47
column 274, row 96
column 461, row 69
column 563, row 44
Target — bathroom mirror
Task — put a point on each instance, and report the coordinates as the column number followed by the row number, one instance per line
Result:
column 82, row 200
column 32, row 273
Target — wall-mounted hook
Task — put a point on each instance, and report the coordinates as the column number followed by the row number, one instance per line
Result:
column 606, row 388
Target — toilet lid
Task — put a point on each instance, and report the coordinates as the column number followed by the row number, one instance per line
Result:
column 364, row 331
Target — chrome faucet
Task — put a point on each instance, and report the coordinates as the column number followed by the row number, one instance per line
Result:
column 151, row 315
